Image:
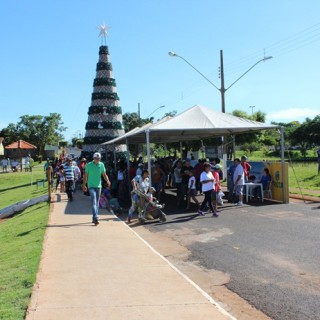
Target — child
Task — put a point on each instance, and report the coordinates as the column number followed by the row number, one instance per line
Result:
column 114, row 206
column 103, row 201
column 61, row 179
column 192, row 192
column 111, row 204
column 217, row 187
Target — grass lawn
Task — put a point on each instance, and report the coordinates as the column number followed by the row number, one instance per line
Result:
column 21, row 245
column 305, row 176
column 21, row 241
column 17, row 186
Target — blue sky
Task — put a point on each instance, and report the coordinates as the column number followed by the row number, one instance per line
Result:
column 49, row 51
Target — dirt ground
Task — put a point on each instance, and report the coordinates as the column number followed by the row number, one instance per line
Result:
column 211, row 281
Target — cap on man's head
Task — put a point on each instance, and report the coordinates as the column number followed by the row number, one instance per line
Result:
column 188, row 159
column 244, row 158
column 217, row 167
column 97, row 155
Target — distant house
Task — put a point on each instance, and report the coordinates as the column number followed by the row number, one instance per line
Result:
column 1, row 146
column 20, row 149
column 51, row 152
column 73, row 152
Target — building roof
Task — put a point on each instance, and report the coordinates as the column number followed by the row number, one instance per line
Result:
column 21, row 144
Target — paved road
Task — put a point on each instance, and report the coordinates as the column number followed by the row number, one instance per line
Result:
column 271, row 253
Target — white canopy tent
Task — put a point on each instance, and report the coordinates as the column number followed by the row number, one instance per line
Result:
column 196, row 123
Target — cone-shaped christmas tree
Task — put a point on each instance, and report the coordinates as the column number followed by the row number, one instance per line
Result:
column 105, row 114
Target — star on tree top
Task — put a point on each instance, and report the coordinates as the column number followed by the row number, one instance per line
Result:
column 103, row 31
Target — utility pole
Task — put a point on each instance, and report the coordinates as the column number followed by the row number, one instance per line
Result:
column 223, row 108
column 222, row 89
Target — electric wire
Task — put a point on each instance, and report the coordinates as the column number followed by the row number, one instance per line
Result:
column 301, row 39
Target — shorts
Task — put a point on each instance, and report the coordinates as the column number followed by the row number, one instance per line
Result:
column 239, row 190
column 193, row 192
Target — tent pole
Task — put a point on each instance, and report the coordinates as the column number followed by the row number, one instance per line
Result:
column 284, row 189
column 128, row 164
column 234, row 146
column 148, row 154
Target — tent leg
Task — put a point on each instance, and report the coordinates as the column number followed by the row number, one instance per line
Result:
column 128, row 164
column 148, row 154
column 284, row 190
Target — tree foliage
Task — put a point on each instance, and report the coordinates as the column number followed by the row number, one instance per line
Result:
column 132, row 120
column 308, row 133
column 37, row 130
column 289, row 128
column 250, row 141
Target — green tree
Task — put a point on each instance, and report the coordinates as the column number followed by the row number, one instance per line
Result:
column 132, row 120
column 77, row 142
column 250, row 141
column 37, row 130
column 308, row 133
column 170, row 114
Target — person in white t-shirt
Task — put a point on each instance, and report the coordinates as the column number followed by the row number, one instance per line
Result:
column 207, row 180
column 238, row 179
column 192, row 192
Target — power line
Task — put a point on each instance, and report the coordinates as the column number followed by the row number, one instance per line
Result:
column 285, row 46
column 294, row 42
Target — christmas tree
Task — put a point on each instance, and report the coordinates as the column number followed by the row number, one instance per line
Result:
column 105, row 115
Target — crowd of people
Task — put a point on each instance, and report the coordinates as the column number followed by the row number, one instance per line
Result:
column 123, row 187
column 204, row 178
column 14, row 165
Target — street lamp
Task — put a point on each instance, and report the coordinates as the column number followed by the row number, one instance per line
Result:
column 222, row 89
column 173, row 54
column 155, row 111
column 252, row 109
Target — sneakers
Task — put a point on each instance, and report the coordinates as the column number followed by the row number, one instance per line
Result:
column 95, row 222
column 201, row 213
column 215, row 214
column 239, row 204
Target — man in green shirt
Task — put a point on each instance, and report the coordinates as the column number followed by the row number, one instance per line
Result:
column 92, row 175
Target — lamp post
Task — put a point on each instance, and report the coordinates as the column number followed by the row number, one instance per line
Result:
column 155, row 111
column 252, row 109
column 222, row 89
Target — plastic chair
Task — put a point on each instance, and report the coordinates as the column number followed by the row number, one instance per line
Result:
column 268, row 191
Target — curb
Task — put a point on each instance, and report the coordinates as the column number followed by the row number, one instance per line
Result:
column 304, row 198
column 19, row 206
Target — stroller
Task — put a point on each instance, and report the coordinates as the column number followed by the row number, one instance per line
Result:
column 151, row 209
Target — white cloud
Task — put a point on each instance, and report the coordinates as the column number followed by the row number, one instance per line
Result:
column 291, row 114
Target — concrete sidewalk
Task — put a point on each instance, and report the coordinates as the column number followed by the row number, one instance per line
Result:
column 109, row 272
